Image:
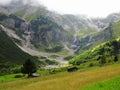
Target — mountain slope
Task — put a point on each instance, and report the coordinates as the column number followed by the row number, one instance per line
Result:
column 104, row 53
column 90, row 41
column 49, row 31
column 11, row 56
column 59, row 30
column 9, row 51
column 104, row 22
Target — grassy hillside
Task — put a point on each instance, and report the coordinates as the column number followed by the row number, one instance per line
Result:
column 64, row 81
column 116, row 29
column 21, row 12
column 10, row 54
column 102, row 54
column 92, row 40
column 112, row 84
column 30, row 13
column 86, row 31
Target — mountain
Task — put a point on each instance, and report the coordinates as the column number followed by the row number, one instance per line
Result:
column 90, row 41
column 44, row 29
column 104, row 22
column 99, row 48
column 34, row 27
column 10, row 52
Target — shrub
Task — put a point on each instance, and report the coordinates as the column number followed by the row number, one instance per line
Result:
column 91, row 64
column 18, row 76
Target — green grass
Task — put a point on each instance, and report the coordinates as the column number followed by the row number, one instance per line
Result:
column 33, row 16
column 53, row 56
column 116, row 28
column 21, row 12
column 86, row 31
column 43, row 72
column 8, row 78
column 105, row 51
column 113, row 84
column 63, row 52
column 65, row 81
column 30, row 17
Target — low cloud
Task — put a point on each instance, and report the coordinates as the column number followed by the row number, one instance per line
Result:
column 4, row 2
column 32, row 2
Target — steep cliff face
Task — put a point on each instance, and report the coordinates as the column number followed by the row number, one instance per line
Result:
column 48, row 33
column 15, row 22
column 40, row 32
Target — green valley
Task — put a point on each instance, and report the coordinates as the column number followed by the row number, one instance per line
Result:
column 41, row 49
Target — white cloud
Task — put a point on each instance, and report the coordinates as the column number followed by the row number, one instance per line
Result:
column 94, row 8
column 5, row 2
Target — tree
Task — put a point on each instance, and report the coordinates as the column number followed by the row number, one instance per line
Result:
column 103, row 60
column 115, row 58
column 29, row 67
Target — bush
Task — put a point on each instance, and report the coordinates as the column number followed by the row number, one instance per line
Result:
column 72, row 69
column 18, row 76
column 91, row 64
column 115, row 59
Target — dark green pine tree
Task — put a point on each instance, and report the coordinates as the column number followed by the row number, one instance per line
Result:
column 29, row 67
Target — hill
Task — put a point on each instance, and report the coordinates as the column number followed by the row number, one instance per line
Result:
column 102, row 54
column 92, row 40
column 10, row 54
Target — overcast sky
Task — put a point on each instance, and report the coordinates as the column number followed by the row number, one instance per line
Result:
column 4, row 1
column 93, row 8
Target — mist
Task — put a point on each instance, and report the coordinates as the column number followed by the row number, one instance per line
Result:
column 92, row 8
column 4, row 2
column 31, row 2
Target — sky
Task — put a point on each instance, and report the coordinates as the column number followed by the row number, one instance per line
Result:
column 92, row 8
